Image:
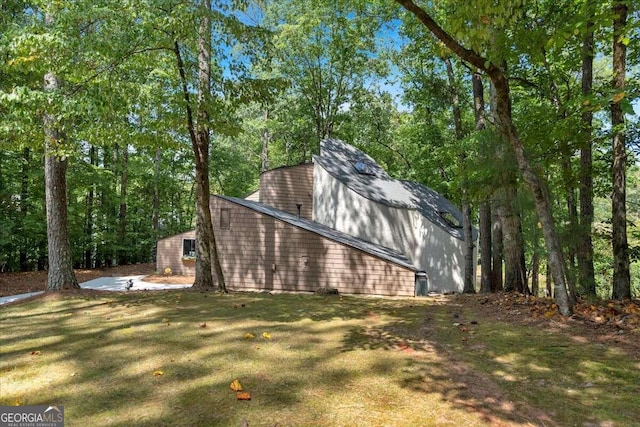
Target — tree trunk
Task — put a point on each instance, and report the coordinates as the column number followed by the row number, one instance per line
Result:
column 496, row 249
column 24, row 208
column 266, row 139
column 484, row 211
column 503, row 110
column 535, row 265
column 512, row 240
column 122, row 212
column 155, row 213
column 469, row 267
column 60, row 274
column 485, row 246
column 569, row 183
column 621, row 274
column 572, row 211
column 207, row 258
column 88, row 224
column 540, row 194
column 584, row 252
column 549, row 281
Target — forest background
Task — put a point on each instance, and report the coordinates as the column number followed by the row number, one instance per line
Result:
column 108, row 89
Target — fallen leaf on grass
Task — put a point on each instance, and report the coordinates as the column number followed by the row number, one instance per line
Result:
column 266, row 335
column 249, row 336
column 243, row 395
column 406, row 348
column 235, row 385
column 157, row 373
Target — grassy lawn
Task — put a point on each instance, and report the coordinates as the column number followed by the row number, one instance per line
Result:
column 168, row 358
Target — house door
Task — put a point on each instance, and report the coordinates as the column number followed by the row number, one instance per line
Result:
column 422, row 284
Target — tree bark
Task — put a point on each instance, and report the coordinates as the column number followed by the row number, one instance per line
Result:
column 503, row 110
column 469, row 267
column 485, row 246
column 266, row 139
column 122, row 212
column 496, row 249
column 584, row 252
column 535, row 268
column 572, row 211
column 24, row 208
column 484, row 210
column 621, row 274
column 512, row 240
column 207, row 258
column 549, row 281
column 60, row 274
column 88, row 223
column 566, row 153
column 155, row 213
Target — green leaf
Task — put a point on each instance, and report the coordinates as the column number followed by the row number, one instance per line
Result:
column 626, row 107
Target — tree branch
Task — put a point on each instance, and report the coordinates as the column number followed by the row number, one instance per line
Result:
column 465, row 54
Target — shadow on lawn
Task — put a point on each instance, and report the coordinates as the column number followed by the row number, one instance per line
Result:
column 510, row 373
column 507, row 374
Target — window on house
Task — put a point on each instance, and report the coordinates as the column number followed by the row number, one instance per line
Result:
column 225, row 220
column 450, row 219
column 188, row 247
column 363, row 169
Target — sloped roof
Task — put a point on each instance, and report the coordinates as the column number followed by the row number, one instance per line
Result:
column 339, row 159
column 378, row 251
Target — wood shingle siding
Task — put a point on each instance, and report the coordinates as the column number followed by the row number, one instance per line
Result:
column 286, row 187
column 170, row 255
column 259, row 252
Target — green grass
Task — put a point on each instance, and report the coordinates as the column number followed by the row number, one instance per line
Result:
column 330, row 361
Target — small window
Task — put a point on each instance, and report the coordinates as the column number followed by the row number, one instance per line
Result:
column 363, row 169
column 225, row 220
column 189, row 248
column 451, row 219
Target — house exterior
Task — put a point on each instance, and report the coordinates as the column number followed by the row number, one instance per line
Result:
column 339, row 222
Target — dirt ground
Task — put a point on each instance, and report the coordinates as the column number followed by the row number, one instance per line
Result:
column 606, row 321
column 613, row 322
column 31, row 281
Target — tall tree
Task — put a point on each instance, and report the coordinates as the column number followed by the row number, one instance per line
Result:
column 621, row 276
column 123, row 251
column 60, row 275
column 484, row 210
column 199, row 132
column 508, row 128
column 327, row 55
column 24, row 206
column 506, row 201
column 585, row 244
column 469, row 266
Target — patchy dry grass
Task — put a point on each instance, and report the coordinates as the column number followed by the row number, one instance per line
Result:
column 329, row 361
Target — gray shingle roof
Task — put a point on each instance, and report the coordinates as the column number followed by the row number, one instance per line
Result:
column 378, row 251
column 338, row 159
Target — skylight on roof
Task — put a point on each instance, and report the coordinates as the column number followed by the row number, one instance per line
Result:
column 363, row 169
column 450, row 219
